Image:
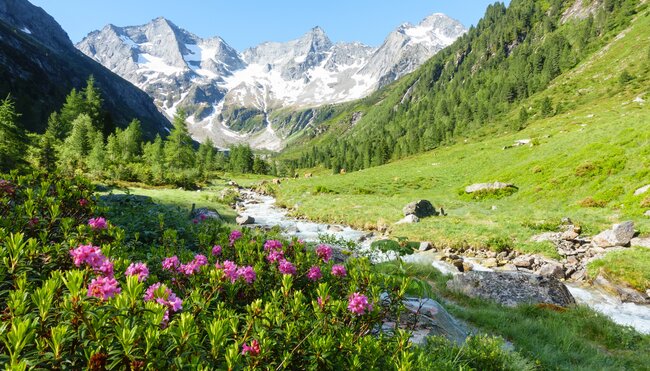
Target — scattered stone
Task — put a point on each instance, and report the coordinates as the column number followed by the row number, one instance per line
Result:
column 458, row 263
column 523, row 261
column 546, row 236
column 512, row 288
column 509, row 267
column 522, row 142
column 431, row 319
column 245, row 220
column 277, row 181
column 642, row 190
column 409, row 219
column 551, row 270
column 425, row 246
column 308, row 175
column 467, row 266
column 647, row 213
column 640, row 242
column 639, row 100
column 205, row 213
column 490, row 263
column 335, row 228
column 619, row 235
column 232, row 183
column 626, row 294
column 421, row 209
column 487, row 187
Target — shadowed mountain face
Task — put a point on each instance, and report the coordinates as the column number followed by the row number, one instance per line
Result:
column 230, row 96
column 39, row 66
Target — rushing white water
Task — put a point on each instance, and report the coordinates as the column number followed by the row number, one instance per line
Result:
column 267, row 214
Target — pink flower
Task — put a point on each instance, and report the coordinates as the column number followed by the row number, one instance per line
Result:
column 275, row 256
column 285, row 267
column 216, row 250
column 339, row 270
column 200, row 260
column 83, row 202
column 230, row 270
column 138, row 269
column 195, row 221
column 188, row 269
column 234, row 236
column 84, row 254
column 271, row 245
column 105, row 268
column 171, row 263
column 358, row 304
column 103, row 288
column 253, row 349
column 202, row 217
column 98, row 223
column 314, row 273
column 163, row 296
column 324, row 252
column 247, row 273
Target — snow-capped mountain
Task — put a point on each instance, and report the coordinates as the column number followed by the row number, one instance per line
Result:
column 230, row 96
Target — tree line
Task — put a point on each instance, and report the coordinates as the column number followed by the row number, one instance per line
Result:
column 78, row 141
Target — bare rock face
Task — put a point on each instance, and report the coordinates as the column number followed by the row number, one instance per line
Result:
column 512, row 288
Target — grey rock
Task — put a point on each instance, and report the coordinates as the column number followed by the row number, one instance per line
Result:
column 245, row 220
column 551, row 269
column 409, row 219
column 431, row 319
column 421, row 209
column 619, row 235
column 512, row 288
column 425, row 246
column 490, row 263
column 647, row 213
column 487, row 187
column 642, row 190
column 523, row 261
column 640, row 242
column 626, row 294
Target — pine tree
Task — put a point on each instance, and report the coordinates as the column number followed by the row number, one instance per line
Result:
column 74, row 106
column 79, row 143
column 12, row 138
column 179, row 153
column 93, row 103
column 96, row 161
column 47, row 152
column 154, row 158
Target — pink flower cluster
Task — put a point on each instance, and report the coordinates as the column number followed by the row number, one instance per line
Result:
column 103, row 287
column 286, row 267
column 253, row 349
column 233, row 272
column 275, row 256
column 138, row 269
column 98, row 223
column 216, row 250
column 358, row 304
column 234, row 236
column 272, row 245
column 93, row 256
column 324, row 252
column 163, row 296
column 172, row 264
column 339, row 270
column 314, row 273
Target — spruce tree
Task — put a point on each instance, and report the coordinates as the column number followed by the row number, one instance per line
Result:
column 47, row 152
column 13, row 141
column 179, row 153
column 154, row 158
column 79, row 143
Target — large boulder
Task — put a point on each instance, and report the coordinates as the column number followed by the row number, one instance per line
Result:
column 409, row 219
column 487, row 187
column 245, row 220
column 512, row 288
column 421, row 209
column 619, row 235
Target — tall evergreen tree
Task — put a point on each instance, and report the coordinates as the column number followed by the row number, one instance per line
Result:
column 13, row 141
column 47, row 152
column 79, row 143
column 154, row 158
column 179, row 153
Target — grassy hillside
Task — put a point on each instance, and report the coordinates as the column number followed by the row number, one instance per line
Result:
column 585, row 164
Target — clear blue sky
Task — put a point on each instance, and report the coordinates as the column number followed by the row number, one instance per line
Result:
column 246, row 23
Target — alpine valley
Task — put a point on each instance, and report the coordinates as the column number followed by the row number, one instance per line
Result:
column 266, row 94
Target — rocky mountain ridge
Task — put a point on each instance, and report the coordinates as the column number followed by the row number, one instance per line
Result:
column 229, row 96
